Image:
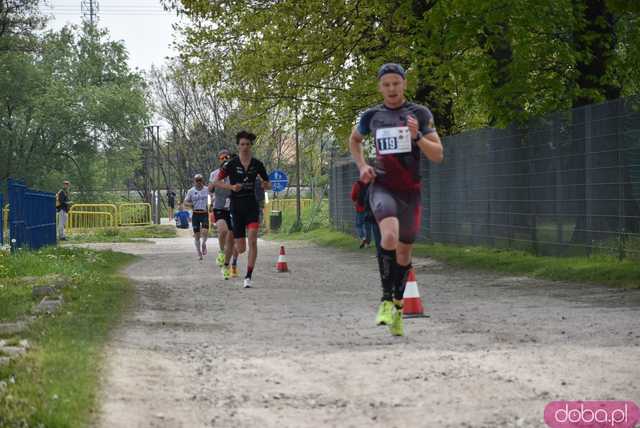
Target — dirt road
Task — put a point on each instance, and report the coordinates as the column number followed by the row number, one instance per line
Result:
column 302, row 350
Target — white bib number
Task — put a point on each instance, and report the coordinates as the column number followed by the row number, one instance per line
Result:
column 390, row 141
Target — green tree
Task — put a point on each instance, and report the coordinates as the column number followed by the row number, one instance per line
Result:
column 73, row 109
column 474, row 63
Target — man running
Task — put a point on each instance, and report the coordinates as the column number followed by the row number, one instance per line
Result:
column 401, row 131
column 242, row 172
column 198, row 198
column 222, row 215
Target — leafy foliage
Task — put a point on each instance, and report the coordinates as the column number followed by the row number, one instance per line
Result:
column 474, row 63
column 69, row 109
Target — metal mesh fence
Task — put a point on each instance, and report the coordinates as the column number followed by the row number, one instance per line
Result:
column 566, row 184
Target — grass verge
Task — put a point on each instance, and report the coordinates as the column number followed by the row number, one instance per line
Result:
column 596, row 269
column 122, row 234
column 55, row 383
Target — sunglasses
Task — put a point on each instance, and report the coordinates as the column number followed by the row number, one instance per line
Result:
column 225, row 157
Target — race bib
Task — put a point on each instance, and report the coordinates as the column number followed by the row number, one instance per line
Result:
column 390, row 141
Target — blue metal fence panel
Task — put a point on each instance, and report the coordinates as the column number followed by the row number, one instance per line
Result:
column 40, row 217
column 32, row 217
column 17, row 234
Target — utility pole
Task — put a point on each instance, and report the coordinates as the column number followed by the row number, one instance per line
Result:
column 158, row 160
column 90, row 10
column 145, row 165
column 173, row 142
column 152, row 147
column 298, row 221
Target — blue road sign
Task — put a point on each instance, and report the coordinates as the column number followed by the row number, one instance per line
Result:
column 279, row 180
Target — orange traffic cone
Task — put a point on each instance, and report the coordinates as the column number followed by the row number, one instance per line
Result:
column 412, row 303
column 281, row 265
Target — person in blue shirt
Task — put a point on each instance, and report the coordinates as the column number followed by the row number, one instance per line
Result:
column 182, row 218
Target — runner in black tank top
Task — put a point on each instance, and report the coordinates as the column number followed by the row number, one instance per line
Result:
column 242, row 172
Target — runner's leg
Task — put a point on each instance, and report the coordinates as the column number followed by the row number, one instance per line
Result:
column 403, row 258
column 204, row 234
column 410, row 221
column 240, row 230
column 229, row 247
column 196, row 224
column 253, row 248
column 389, row 242
column 222, row 234
column 196, row 241
column 234, row 258
column 240, row 244
column 385, row 208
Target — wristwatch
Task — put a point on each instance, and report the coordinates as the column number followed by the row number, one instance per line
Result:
column 418, row 137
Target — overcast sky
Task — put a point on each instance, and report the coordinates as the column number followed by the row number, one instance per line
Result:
column 143, row 25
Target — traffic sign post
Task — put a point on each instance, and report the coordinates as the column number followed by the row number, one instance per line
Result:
column 279, row 180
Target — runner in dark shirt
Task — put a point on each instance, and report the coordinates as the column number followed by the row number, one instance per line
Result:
column 171, row 202
column 401, row 131
column 242, row 172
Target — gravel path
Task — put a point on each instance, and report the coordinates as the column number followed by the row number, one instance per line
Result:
column 301, row 349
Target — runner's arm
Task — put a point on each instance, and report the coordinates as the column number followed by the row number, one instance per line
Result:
column 429, row 143
column 212, row 179
column 187, row 200
column 355, row 146
column 431, row 146
column 367, row 172
column 264, row 178
column 219, row 182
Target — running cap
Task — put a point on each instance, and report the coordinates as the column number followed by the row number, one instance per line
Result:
column 245, row 134
column 391, row 67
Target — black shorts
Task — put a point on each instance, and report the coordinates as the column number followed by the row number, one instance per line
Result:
column 200, row 220
column 222, row 215
column 245, row 214
column 405, row 206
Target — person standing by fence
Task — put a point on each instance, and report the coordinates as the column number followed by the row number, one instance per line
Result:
column 63, row 204
column 171, row 203
column 401, row 132
column 363, row 228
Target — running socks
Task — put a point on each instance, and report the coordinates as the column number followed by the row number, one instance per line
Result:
column 379, row 258
column 234, row 261
column 249, row 272
column 387, row 263
column 400, row 280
